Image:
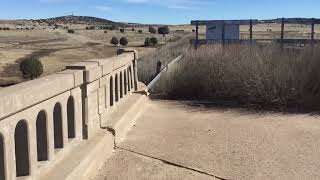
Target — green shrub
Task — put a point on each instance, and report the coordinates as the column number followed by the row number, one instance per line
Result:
column 71, row 31
column 152, row 30
column 122, row 30
column 124, row 41
column 140, row 31
column 154, row 40
column 163, row 30
column 114, row 41
column 31, row 68
column 147, row 42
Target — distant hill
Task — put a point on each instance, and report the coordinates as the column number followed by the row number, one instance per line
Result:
column 84, row 20
column 292, row 21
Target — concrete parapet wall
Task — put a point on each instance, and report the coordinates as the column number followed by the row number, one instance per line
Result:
column 43, row 120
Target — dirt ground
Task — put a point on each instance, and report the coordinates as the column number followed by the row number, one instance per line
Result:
column 57, row 48
column 191, row 140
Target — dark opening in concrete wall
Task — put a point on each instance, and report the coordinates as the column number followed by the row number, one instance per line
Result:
column 57, row 126
column 131, row 81
column 111, row 91
column 71, row 120
column 22, row 149
column 116, row 89
column 42, row 136
column 134, row 75
column 128, row 79
column 121, row 85
column 125, row 81
column 2, row 159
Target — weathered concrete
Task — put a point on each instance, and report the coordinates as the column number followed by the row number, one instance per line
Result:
column 47, row 123
column 227, row 143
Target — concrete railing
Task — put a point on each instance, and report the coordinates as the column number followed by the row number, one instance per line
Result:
column 43, row 119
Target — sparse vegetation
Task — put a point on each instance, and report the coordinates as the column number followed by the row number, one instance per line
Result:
column 140, row 31
column 165, row 54
column 152, row 30
column 147, row 42
column 122, row 30
column 154, row 40
column 123, row 41
column 114, row 41
column 113, row 27
column 31, row 68
column 71, row 31
column 163, row 30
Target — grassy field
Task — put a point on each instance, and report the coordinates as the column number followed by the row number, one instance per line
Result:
column 57, row 48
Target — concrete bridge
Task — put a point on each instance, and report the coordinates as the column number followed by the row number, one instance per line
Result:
column 72, row 124
column 45, row 121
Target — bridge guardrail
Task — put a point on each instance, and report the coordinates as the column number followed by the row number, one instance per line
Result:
column 165, row 70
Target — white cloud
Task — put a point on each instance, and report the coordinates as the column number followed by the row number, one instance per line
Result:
column 173, row 4
column 104, row 8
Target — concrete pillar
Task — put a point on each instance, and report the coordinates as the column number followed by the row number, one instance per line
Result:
column 32, row 131
column 11, row 155
column 135, row 75
column 76, row 93
column 50, row 132
column 125, row 81
column 64, row 122
column 107, row 95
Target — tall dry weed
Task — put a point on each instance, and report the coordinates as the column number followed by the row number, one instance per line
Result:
column 247, row 74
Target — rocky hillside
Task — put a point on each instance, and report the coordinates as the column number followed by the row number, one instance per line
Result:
column 84, row 20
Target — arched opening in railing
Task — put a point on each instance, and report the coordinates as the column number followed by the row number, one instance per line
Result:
column 111, row 91
column 22, row 149
column 42, row 136
column 131, row 81
column 128, row 83
column 125, row 81
column 2, row 159
column 116, row 89
column 71, row 120
column 121, row 85
column 57, row 126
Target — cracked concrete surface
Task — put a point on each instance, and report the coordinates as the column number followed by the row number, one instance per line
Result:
column 227, row 143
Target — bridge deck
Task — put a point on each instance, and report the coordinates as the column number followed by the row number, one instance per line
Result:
column 176, row 140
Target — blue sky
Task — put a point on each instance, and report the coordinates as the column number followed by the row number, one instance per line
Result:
column 160, row 11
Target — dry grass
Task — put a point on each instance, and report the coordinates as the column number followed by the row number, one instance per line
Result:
column 249, row 75
column 165, row 54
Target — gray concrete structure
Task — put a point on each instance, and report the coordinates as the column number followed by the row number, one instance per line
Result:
column 44, row 121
